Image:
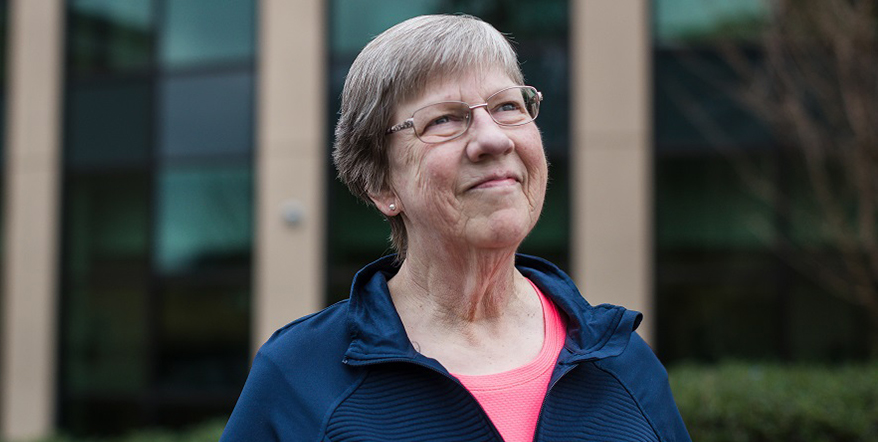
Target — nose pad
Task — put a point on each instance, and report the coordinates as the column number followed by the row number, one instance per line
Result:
column 486, row 137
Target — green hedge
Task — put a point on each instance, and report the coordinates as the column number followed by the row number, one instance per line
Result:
column 207, row 432
column 734, row 402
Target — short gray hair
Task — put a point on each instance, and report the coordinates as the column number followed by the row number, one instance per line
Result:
column 395, row 67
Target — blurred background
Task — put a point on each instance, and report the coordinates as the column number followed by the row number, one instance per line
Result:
column 168, row 196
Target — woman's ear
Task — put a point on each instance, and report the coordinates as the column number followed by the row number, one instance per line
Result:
column 387, row 203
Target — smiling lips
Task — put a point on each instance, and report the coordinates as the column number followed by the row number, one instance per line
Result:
column 498, row 180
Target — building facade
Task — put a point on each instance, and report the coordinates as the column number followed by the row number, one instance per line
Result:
column 169, row 201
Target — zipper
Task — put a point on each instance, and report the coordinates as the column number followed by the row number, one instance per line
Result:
column 444, row 374
column 567, row 368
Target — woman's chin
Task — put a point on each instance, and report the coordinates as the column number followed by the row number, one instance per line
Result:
column 493, row 233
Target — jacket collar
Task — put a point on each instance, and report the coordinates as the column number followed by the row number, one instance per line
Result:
column 377, row 333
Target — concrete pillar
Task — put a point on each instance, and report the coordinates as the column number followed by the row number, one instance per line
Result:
column 291, row 154
column 612, row 156
column 31, row 202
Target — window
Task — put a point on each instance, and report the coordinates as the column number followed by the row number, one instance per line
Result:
column 722, row 288
column 158, row 195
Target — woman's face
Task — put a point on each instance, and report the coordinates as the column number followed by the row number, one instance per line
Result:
column 482, row 190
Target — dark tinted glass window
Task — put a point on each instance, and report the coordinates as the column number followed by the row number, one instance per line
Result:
column 728, row 199
column 207, row 32
column 698, row 22
column 110, row 35
column 206, row 114
column 158, row 207
column 204, row 219
column 104, row 332
column 109, row 122
column 3, row 14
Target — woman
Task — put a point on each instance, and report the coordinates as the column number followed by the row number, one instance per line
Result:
column 456, row 337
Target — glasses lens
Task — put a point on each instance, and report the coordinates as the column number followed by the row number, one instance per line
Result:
column 441, row 121
column 514, row 106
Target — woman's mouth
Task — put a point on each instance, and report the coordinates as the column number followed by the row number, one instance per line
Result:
column 496, row 182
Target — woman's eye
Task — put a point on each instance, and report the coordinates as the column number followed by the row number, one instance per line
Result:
column 508, row 107
column 441, row 120
column 444, row 119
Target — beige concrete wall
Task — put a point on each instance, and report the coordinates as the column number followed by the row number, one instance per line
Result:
column 31, row 217
column 291, row 155
column 612, row 154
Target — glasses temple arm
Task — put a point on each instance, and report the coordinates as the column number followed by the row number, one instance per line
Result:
column 404, row 125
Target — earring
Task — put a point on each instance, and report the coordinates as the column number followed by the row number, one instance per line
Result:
column 392, row 207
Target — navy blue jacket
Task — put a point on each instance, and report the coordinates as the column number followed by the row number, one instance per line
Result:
column 349, row 373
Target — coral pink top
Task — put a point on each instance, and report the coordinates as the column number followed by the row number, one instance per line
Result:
column 513, row 399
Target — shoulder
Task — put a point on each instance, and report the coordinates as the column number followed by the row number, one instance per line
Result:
column 296, row 379
column 310, row 336
column 646, row 380
column 636, row 363
column 309, row 349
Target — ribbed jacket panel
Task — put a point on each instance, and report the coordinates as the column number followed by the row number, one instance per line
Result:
column 589, row 404
column 405, row 402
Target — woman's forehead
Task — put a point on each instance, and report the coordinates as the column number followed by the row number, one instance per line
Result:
column 474, row 86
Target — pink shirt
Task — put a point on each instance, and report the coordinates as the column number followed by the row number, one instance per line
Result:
column 513, row 399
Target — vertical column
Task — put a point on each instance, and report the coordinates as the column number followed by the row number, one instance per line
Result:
column 612, row 198
column 31, row 217
column 291, row 152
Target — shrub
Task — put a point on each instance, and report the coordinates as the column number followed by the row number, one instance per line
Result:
column 207, row 432
column 735, row 402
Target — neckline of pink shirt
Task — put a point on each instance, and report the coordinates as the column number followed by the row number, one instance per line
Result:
column 554, row 334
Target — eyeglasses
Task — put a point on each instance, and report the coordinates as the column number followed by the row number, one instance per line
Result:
column 447, row 120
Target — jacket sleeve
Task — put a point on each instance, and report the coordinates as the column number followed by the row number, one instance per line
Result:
column 647, row 380
column 255, row 417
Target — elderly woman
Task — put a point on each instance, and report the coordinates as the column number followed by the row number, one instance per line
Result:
column 455, row 338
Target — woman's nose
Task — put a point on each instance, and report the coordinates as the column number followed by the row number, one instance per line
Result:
column 486, row 137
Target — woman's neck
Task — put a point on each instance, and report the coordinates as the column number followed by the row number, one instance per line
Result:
column 475, row 313
column 458, row 289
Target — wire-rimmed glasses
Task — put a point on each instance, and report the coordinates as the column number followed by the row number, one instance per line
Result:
column 447, row 120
